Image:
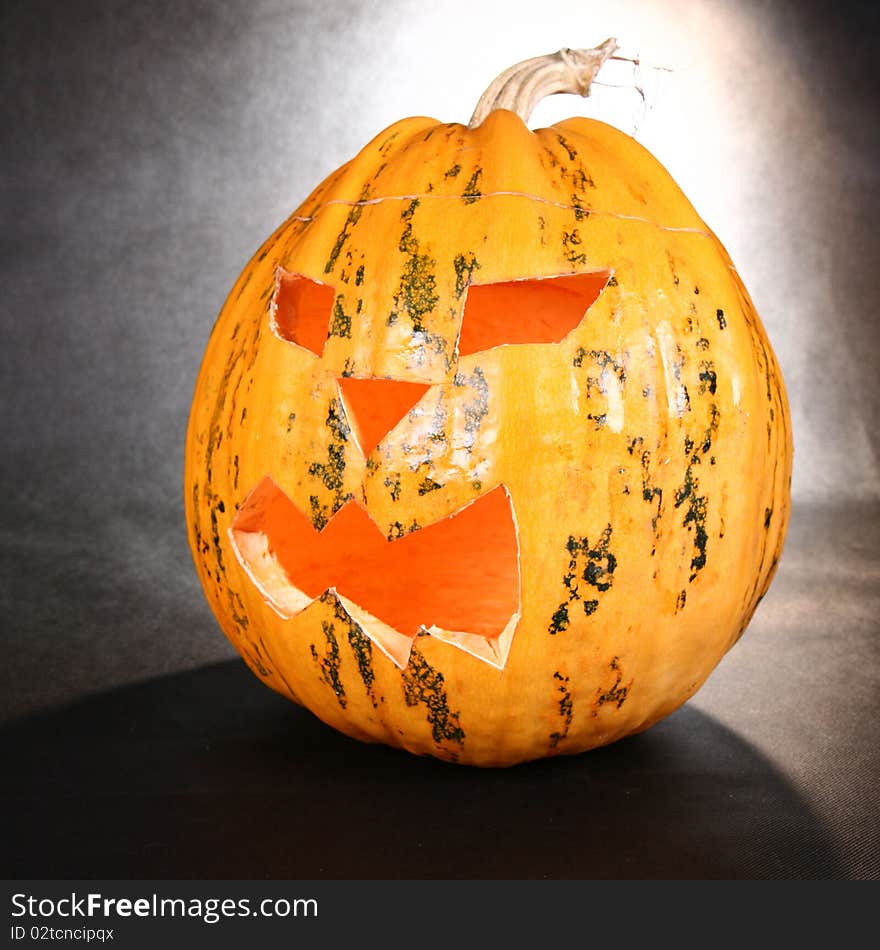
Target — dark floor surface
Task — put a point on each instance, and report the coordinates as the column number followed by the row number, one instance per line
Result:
column 118, row 767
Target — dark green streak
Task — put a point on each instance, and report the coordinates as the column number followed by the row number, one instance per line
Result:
column 354, row 215
column 422, row 684
column 329, row 664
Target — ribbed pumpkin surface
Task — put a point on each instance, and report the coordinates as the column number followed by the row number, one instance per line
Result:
column 640, row 463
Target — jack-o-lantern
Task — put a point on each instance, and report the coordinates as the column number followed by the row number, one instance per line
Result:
column 489, row 453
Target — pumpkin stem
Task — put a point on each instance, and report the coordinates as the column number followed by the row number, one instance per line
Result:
column 524, row 85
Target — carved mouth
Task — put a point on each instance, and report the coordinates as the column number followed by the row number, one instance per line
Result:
column 457, row 579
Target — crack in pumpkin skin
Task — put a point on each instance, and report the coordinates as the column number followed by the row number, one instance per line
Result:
column 580, row 211
column 545, row 432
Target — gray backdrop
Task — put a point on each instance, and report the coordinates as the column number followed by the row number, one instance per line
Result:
column 148, row 148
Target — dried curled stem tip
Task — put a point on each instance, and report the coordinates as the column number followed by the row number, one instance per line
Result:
column 524, row 85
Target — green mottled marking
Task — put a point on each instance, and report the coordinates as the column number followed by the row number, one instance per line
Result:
column 387, row 143
column 615, row 694
column 591, row 563
column 719, row 316
column 606, row 364
column 340, row 324
column 708, row 377
column 237, row 610
column 712, row 428
column 476, row 409
column 201, row 543
column 683, row 400
column 453, row 171
column 423, row 685
column 465, row 265
column 331, row 472
column 582, row 179
column 416, row 294
column 236, row 361
column 651, row 492
column 256, row 662
column 695, row 517
column 360, row 643
column 696, row 505
column 471, row 190
column 393, row 486
column 427, row 485
column 570, row 149
column 395, row 530
column 216, row 540
column 359, row 276
column 437, row 432
column 566, row 709
column 560, row 619
column 320, row 514
column 330, row 662
column 351, row 220
column 571, row 243
column 408, row 244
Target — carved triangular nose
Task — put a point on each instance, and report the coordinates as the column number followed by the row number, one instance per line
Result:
column 375, row 406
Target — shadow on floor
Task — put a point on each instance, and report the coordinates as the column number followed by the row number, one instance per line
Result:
column 207, row 774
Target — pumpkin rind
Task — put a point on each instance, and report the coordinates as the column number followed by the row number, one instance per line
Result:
column 647, row 454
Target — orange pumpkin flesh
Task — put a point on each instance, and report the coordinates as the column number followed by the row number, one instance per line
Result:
column 459, row 574
column 374, row 406
column 489, row 454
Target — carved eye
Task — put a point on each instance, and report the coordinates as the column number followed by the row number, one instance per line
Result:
column 539, row 310
column 300, row 310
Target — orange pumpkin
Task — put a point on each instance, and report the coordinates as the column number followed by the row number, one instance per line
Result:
column 489, row 453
